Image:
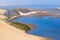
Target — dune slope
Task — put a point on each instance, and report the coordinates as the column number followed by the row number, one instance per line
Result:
column 8, row 32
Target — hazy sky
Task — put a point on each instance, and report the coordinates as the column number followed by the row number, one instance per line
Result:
column 31, row 2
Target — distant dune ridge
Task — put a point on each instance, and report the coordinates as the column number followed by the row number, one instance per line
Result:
column 35, row 13
column 9, row 32
column 27, row 12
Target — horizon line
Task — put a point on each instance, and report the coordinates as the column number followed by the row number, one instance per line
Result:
column 19, row 4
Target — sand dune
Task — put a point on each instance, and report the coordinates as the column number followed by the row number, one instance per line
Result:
column 8, row 32
column 36, row 13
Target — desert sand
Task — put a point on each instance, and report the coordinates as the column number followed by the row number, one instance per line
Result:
column 36, row 13
column 8, row 32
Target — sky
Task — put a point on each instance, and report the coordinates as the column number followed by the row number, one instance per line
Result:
column 29, row 2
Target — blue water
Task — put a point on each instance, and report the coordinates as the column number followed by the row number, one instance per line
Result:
column 45, row 26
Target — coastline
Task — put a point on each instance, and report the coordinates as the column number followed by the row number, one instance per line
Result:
column 22, row 26
column 29, row 25
column 26, row 12
column 9, row 32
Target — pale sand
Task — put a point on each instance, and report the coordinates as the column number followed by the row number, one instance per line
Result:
column 2, row 11
column 36, row 13
column 8, row 32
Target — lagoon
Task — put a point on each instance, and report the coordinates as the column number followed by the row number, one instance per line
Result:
column 45, row 26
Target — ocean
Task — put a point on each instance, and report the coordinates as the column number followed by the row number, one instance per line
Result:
column 45, row 26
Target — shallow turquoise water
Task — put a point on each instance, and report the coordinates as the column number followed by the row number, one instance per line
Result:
column 46, row 26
